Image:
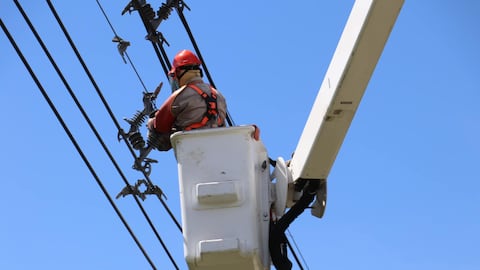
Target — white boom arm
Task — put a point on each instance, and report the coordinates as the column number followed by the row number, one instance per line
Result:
column 360, row 46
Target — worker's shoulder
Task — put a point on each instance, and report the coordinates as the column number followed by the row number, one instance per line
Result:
column 185, row 93
column 179, row 90
column 189, row 90
column 205, row 87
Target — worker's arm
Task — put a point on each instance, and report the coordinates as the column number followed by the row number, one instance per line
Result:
column 164, row 119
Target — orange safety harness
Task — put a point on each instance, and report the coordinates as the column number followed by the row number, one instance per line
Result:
column 212, row 110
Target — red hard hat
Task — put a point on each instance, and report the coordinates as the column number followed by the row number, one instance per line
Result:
column 184, row 58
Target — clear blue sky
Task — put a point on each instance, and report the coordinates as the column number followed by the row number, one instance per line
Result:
column 403, row 192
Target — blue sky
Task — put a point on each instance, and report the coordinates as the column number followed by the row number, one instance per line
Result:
column 403, row 192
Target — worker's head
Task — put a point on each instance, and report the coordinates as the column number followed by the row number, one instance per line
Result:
column 185, row 65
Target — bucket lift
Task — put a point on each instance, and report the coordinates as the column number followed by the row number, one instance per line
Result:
column 226, row 187
column 224, row 178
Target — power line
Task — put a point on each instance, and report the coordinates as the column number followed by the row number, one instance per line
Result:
column 74, row 142
column 120, row 40
column 107, row 107
column 299, row 251
column 111, row 114
column 147, row 15
column 179, row 7
column 92, row 127
column 155, row 37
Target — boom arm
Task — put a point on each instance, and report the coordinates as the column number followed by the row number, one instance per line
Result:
column 360, row 46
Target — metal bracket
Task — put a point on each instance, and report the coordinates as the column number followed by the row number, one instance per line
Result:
column 130, row 7
column 318, row 207
column 156, row 37
column 181, row 5
column 149, row 189
column 142, row 163
column 121, row 46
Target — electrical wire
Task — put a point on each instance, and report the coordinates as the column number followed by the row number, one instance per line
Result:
column 107, row 107
column 92, row 127
column 294, row 255
column 299, row 251
column 126, row 54
column 153, row 36
column 131, row 63
column 74, row 142
column 179, row 8
column 157, row 43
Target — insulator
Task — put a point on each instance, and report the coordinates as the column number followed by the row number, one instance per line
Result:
column 154, row 139
column 137, row 120
column 164, row 11
column 147, row 12
column 137, row 140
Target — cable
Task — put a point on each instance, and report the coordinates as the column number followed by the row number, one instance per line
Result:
column 298, row 249
column 107, row 107
column 126, row 54
column 294, row 255
column 92, row 127
column 74, row 142
column 152, row 34
column 179, row 9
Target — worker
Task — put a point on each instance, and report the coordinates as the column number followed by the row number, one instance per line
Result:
column 193, row 104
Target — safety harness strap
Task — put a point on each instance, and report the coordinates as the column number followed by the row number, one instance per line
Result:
column 211, row 104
